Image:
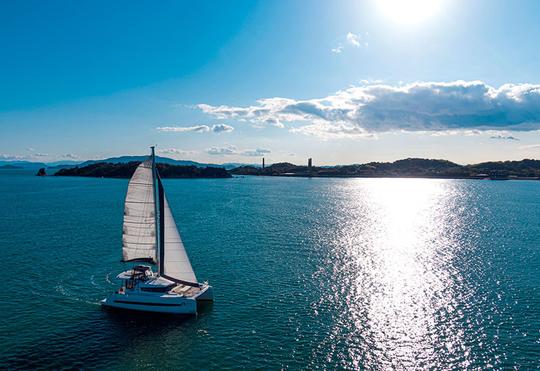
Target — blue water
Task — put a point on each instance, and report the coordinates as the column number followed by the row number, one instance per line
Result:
column 308, row 273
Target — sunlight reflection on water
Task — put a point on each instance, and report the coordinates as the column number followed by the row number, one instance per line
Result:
column 392, row 261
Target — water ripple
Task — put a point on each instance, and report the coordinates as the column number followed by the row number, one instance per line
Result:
column 308, row 274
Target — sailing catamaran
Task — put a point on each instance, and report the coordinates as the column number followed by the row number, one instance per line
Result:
column 150, row 235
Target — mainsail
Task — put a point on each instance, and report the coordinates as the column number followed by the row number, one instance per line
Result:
column 141, row 226
column 139, row 230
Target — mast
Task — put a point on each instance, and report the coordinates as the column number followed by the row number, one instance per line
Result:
column 156, row 220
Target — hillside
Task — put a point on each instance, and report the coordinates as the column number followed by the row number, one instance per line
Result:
column 126, row 170
column 411, row 167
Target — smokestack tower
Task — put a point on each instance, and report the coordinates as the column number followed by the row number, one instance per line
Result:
column 263, row 164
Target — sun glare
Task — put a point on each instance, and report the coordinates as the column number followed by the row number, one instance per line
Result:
column 409, row 11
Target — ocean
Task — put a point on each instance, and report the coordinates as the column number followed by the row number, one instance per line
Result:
column 307, row 273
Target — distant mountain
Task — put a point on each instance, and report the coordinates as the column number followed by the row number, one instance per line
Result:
column 10, row 167
column 116, row 160
column 126, row 159
column 233, row 165
column 38, row 165
column 24, row 164
column 126, row 170
column 61, row 166
column 161, row 160
column 57, row 164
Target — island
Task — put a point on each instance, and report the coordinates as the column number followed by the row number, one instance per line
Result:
column 406, row 168
column 126, row 170
column 41, row 172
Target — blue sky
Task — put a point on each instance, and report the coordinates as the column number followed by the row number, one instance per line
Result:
column 341, row 81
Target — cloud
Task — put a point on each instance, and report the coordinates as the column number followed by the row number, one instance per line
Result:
column 417, row 107
column 230, row 150
column 33, row 153
column 530, row 146
column 7, row 156
column 258, row 152
column 222, row 151
column 218, row 128
column 70, row 155
column 332, row 131
column 183, row 129
column 260, row 115
column 503, row 137
column 222, row 128
column 353, row 39
column 175, row 151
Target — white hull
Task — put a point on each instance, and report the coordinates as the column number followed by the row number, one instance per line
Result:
column 158, row 303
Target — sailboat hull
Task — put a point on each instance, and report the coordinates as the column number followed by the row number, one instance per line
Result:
column 158, row 303
column 206, row 294
column 172, row 304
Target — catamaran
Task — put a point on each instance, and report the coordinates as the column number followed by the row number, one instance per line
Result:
column 150, row 235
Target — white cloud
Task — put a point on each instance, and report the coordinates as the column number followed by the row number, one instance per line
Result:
column 70, row 155
column 530, row 146
column 503, row 137
column 175, row 151
column 353, row 39
column 183, row 129
column 33, row 153
column 368, row 109
column 7, row 156
column 218, row 128
column 222, row 151
column 230, row 150
column 337, row 49
column 325, row 130
column 258, row 152
column 222, row 128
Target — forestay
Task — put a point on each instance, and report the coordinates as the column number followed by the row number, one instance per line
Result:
column 139, row 230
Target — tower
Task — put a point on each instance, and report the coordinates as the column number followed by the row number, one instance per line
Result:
column 309, row 163
column 263, row 163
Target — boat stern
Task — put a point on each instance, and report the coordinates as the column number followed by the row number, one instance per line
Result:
column 206, row 293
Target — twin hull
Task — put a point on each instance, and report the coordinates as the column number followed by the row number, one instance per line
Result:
column 158, row 303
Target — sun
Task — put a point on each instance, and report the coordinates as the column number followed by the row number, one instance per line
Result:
column 410, row 11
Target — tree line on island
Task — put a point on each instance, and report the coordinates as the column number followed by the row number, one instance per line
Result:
column 126, row 170
column 411, row 167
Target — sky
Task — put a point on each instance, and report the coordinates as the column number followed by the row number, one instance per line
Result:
column 346, row 81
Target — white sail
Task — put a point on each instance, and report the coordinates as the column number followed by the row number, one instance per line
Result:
column 176, row 262
column 139, row 230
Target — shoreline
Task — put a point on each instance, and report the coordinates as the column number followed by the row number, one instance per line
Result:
column 382, row 177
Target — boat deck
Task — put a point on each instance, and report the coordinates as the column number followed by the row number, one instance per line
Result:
column 186, row 290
